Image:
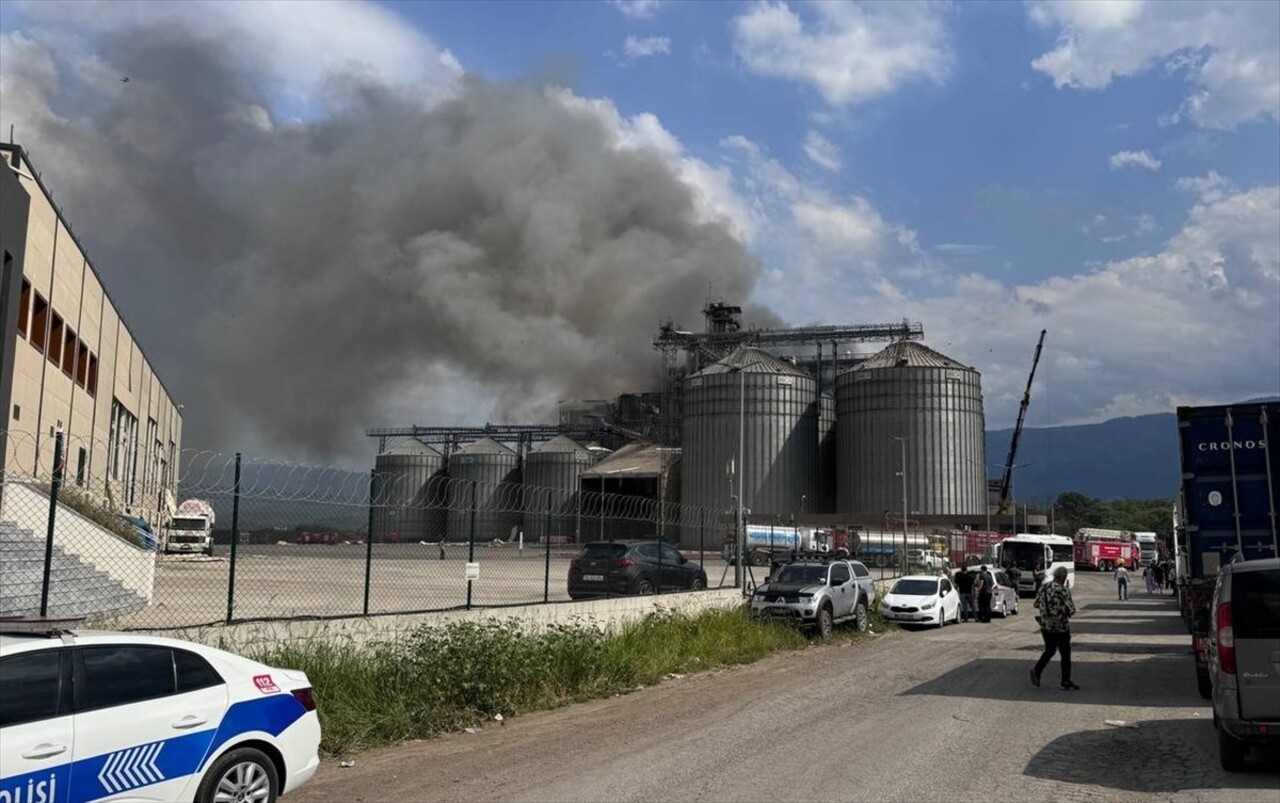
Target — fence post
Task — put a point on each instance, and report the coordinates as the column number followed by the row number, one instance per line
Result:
column 471, row 537
column 546, row 567
column 702, row 531
column 368, row 546
column 235, row 539
column 54, row 487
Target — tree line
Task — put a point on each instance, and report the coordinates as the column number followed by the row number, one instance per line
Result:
column 1073, row 510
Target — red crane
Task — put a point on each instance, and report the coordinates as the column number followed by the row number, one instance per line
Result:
column 1003, row 507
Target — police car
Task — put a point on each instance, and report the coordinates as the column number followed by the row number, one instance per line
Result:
column 115, row 716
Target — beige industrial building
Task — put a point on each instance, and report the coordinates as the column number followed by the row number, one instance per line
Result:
column 71, row 361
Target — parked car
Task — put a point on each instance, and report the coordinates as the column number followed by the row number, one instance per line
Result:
column 817, row 595
column 1244, row 659
column 1004, row 597
column 922, row 599
column 87, row 715
column 632, row 567
column 926, row 558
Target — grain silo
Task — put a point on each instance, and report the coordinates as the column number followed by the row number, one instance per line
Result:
column 552, row 481
column 485, row 477
column 909, row 390
column 408, row 493
column 826, row 477
column 777, row 406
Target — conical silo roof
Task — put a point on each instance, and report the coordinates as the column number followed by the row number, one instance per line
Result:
column 560, row 443
column 412, row 446
column 486, row 446
column 908, row 354
column 751, row 360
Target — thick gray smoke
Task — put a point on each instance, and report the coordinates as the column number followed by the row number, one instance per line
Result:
column 382, row 261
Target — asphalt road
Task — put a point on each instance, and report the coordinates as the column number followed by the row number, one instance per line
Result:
column 921, row 715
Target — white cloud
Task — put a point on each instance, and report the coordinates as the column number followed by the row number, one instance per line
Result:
column 640, row 47
column 637, row 9
column 1142, row 159
column 821, row 150
column 1210, row 187
column 849, row 53
column 1197, row 320
column 1227, row 51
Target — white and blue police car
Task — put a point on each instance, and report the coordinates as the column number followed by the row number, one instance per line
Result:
column 117, row 716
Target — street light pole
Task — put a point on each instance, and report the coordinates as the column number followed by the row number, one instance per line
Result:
column 902, row 441
column 742, row 466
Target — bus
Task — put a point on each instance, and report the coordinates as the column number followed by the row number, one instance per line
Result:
column 1036, row 556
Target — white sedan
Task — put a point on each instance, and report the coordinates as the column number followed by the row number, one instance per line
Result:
column 922, row 599
column 115, row 716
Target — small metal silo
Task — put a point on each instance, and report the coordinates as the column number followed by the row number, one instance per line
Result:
column 408, row 493
column 909, row 390
column 485, row 477
column 552, row 483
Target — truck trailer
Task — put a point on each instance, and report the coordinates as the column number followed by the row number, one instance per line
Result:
column 1227, row 504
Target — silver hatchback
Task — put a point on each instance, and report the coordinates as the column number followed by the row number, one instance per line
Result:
column 1244, row 658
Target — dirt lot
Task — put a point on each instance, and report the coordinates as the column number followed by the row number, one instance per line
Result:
column 328, row 580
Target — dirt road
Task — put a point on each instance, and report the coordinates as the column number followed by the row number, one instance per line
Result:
column 908, row 716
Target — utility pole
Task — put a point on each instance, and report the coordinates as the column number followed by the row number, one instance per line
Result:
column 902, row 441
column 742, row 439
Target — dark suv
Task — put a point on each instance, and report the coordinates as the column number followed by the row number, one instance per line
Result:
column 632, row 567
column 1244, row 658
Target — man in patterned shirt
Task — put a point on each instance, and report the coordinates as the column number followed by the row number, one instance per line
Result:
column 1056, row 609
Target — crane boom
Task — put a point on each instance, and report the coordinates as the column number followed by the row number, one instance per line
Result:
column 1005, row 483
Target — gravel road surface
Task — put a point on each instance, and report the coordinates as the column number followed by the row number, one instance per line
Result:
column 918, row 715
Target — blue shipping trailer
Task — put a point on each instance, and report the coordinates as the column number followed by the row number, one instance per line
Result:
column 1230, row 484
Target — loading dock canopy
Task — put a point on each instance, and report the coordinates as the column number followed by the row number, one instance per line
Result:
column 638, row 460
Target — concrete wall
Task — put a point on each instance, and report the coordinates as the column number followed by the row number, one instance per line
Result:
column 48, row 395
column 133, row 568
column 359, row 631
column 13, row 248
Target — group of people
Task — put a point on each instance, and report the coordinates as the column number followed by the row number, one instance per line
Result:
column 976, row 587
column 1156, row 576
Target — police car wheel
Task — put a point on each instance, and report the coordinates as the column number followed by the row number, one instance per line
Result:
column 243, row 775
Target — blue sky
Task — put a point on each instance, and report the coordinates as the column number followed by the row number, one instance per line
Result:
column 1107, row 170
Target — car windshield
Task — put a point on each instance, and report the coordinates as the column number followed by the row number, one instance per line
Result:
column 915, row 588
column 186, row 524
column 801, row 574
column 1028, row 557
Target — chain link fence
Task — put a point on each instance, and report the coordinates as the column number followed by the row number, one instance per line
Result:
column 167, row 541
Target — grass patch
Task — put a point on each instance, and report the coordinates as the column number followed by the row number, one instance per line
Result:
column 443, row 679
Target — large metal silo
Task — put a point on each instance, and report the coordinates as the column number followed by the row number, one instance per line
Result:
column 777, row 406
column 484, row 476
column 826, row 478
column 909, row 390
column 408, row 493
column 552, row 484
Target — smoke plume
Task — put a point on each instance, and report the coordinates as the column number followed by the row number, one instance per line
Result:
column 393, row 255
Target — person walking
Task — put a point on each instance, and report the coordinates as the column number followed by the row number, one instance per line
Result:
column 1015, row 574
column 964, row 584
column 1157, row 573
column 1149, row 575
column 1122, row 582
column 1056, row 609
column 984, row 585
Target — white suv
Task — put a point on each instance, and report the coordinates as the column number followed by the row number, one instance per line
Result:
column 87, row 715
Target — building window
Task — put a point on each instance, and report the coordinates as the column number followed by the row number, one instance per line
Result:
column 39, row 322
column 24, row 307
column 82, row 365
column 69, row 344
column 55, row 340
column 81, row 461
column 92, row 379
column 17, row 413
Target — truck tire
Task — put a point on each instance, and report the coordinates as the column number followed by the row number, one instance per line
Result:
column 1204, row 683
column 881, row 561
column 1231, row 752
column 860, row 619
column 825, row 623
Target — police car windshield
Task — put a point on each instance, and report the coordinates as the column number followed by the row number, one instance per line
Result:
column 801, row 574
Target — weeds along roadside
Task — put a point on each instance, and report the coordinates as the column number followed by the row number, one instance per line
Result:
column 458, row 675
